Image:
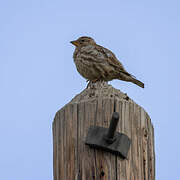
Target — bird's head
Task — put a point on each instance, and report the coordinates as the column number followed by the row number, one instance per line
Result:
column 83, row 41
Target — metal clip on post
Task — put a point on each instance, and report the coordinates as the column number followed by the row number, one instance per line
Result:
column 107, row 139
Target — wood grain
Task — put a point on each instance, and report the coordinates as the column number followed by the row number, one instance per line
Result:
column 73, row 160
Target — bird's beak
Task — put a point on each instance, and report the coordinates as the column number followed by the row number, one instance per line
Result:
column 74, row 43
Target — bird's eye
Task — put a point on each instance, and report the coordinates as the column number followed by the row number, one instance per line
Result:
column 82, row 40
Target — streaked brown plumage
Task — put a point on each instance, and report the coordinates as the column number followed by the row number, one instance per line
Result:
column 95, row 62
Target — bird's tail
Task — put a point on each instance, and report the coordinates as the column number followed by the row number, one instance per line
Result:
column 137, row 82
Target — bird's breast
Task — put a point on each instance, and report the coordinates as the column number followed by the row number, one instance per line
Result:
column 86, row 60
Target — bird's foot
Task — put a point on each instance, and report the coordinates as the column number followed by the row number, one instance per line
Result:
column 96, row 83
column 90, row 83
column 95, row 80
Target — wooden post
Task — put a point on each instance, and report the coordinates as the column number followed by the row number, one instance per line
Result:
column 73, row 160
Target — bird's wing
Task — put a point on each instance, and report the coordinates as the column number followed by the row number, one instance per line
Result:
column 92, row 54
column 112, row 60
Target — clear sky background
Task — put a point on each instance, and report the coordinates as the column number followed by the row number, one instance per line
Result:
column 38, row 76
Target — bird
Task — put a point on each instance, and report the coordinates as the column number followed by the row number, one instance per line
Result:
column 96, row 63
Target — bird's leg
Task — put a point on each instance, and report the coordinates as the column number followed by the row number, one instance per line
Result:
column 95, row 80
column 90, row 82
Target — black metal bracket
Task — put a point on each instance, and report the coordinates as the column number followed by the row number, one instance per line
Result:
column 107, row 139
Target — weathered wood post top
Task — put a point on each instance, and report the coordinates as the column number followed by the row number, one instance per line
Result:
column 74, row 160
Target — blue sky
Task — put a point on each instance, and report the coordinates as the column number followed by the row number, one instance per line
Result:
column 38, row 77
